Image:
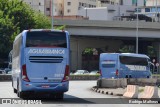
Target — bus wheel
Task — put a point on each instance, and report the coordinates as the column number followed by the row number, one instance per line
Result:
column 19, row 94
column 14, row 90
column 59, row 96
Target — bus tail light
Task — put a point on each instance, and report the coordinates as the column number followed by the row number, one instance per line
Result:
column 100, row 72
column 66, row 75
column 24, row 74
column 117, row 73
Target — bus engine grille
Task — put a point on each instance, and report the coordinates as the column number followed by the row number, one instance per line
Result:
column 46, row 59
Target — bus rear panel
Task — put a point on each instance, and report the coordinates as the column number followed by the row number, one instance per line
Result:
column 43, row 62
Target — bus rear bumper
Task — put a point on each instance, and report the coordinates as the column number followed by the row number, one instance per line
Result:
column 45, row 87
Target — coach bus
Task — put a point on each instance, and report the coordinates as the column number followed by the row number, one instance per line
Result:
column 124, row 65
column 40, row 63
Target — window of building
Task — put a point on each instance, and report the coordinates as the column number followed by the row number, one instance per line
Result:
column 47, row 9
column 61, row 12
column 68, row 10
column 80, row 3
column 147, row 9
column 68, row 3
column 39, row 3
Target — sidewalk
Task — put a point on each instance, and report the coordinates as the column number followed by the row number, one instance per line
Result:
column 117, row 91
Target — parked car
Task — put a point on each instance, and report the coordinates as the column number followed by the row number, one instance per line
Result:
column 81, row 72
column 2, row 71
column 94, row 72
column 7, row 70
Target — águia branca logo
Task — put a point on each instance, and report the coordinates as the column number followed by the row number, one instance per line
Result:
column 46, row 51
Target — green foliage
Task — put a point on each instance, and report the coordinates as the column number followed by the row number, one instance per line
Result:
column 16, row 16
column 126, row 49
column 88, row 51
column 60, row 27
column 151, row 51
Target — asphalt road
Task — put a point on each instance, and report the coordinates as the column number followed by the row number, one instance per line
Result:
column 79, row 95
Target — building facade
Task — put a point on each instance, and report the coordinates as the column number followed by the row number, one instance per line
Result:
column 38, row 5
column 71, row 7
column 60, row 7
column 152, row 9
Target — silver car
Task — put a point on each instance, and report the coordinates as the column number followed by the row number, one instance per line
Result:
column 81, row 72
column 94, row 72
column 2, row 71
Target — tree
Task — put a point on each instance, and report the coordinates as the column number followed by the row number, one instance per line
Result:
column 127, row 49
column 16, row 16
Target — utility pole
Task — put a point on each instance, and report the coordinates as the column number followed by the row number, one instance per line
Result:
column 52, row 14
column 137, row 30
column 156, row 12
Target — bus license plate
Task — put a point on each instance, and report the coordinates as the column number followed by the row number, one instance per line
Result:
column 45, row 86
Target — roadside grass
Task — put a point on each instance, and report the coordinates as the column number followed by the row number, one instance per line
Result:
column 85, row 75
column 156, row 75
column 141, row 90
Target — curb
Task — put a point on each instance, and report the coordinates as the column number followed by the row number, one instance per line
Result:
column 105, row 92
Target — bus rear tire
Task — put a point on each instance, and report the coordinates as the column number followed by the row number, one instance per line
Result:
column 20, row 94
column 14, row 90
column 59, row 96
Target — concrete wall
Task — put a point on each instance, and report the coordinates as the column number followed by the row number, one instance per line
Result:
column 94, row 13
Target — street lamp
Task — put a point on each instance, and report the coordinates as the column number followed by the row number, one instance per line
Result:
column 52, row 14
column 137, row 31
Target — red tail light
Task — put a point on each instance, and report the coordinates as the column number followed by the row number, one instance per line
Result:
column 24, row 74
column 66, row 75
column 117, row 73
column 100, row 72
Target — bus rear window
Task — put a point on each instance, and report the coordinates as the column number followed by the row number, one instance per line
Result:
column 108, row 63
column 46, row 39
column 128, row 60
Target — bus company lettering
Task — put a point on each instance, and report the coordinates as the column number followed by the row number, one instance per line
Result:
column 46, row 51
column 136, row 67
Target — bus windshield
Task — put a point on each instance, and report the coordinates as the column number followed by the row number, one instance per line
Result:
column 129, row 60
column 46, row 39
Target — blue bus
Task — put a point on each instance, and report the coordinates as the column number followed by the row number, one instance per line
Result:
column 40, row 62
column 124, row 65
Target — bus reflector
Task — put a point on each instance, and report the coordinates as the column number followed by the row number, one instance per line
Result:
column 117, row 72
column 24, row 74
column 66, row 75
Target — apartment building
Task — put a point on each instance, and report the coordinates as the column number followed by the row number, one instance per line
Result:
column 103, row 3
column 152, row 2
column 71, row 7
column 109, row 10
column 61, row 7
column 152, row 9
column 38, row 5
